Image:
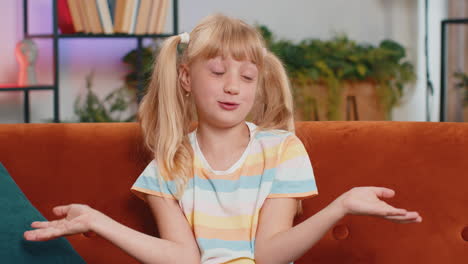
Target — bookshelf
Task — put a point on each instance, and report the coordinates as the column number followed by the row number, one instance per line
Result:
column 56, row 36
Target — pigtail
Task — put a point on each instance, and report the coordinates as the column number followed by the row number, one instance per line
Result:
column 164, row 115
column 275, row 109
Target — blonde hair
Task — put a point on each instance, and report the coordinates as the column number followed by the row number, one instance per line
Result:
column 166, row 114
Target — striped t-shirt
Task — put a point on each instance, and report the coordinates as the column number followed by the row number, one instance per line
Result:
column 222, row 207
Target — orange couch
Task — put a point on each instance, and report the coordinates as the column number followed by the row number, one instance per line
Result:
column 426, row 163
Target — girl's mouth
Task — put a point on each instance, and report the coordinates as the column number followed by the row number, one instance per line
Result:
column 228, row 105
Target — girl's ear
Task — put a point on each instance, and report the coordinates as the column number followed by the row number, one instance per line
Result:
column 184, row 78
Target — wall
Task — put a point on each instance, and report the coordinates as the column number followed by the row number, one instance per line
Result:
column 367, row 21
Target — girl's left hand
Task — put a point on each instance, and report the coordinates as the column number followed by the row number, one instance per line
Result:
column 366, row 201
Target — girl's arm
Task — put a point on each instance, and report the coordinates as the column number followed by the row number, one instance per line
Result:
column 272, row 236
column 172, row 247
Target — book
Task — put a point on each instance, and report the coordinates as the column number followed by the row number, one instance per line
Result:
column 65, row 21
column 162, row 16
column 93, row 13
column 127, row 15
column 143, row 17
column 76, row 16
column 134, row 16
column 153, row 19
column 84, row 15
column 104, row 16
column 111, row 4
column 118, row 15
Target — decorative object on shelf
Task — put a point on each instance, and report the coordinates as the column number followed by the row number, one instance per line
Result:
column 26, row 55
column 462, row 84
column 61, row 29
column 110, row 109
column 329, row 71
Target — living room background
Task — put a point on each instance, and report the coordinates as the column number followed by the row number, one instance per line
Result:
column 366, row 21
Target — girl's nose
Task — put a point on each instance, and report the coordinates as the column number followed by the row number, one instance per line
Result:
column 232, row 85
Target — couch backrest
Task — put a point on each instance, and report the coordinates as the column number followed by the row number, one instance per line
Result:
column 425, row 163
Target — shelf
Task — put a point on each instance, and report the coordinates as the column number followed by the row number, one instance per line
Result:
column 13, row 87
column 26, row 89
column 80, row 35
column 56, row 36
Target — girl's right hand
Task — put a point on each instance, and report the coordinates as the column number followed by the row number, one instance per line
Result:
column 76, row 219
column 368, row 201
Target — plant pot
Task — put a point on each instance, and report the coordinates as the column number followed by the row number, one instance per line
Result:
column 357, row 101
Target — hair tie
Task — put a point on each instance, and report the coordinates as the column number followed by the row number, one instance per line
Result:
column 184, row 37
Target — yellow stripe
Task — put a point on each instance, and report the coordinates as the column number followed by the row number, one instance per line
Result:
column 241, row 261
column 223, row 222
column 294, row 195
column 140, row 191
column 269, row 153
column 253, row 170
column 255, row 164
column 240, row 234
column 292, row 148
column 266, row 153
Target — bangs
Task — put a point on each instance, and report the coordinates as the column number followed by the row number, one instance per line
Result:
column 226, row 39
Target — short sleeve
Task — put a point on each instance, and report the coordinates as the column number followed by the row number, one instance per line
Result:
column 149, row 183
column 294, row 175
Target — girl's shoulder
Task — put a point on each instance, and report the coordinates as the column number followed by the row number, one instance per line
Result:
column 278, row 134
column 276, row 139
column 273, row 139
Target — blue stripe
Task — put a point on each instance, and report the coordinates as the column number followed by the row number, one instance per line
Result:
column 207, row 244
column 221, row 185
column 283, row 187
column 216, row 185
column 261, row 134
column 151, row 183
column 244, row 182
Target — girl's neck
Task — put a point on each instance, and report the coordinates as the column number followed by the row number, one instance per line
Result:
column 217, row 140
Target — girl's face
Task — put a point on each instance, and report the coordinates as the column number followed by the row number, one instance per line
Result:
column 223, row 89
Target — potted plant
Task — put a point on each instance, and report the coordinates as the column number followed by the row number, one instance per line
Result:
column 109, row 109
column 146, row 64
column 148, row 54
column 326, row 73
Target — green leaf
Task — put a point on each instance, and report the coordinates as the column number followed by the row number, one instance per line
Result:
column 361, row 69
column 314, row 74
column 93, row 109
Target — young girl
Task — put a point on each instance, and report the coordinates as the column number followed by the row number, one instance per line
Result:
column 227, row 191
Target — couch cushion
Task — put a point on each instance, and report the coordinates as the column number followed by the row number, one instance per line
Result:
column 17, row 213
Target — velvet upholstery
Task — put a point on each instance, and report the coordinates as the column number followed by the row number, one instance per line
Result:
column 425, row 162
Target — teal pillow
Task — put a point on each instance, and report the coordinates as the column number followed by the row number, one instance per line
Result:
column 17, row 214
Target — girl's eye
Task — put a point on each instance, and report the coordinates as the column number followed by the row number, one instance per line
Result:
column 218, row 73
column 248, row 78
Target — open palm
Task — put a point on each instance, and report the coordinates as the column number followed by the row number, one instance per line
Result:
column 75, row 220
column 366, row 201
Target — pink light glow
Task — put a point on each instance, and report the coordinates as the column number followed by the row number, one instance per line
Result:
column 6, row 85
